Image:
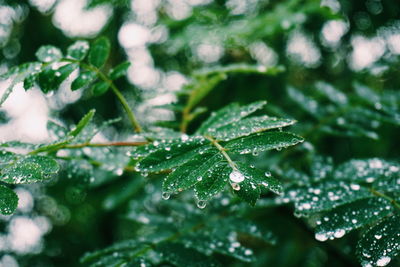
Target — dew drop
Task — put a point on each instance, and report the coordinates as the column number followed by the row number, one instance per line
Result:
column 383, row 261
column 267, row 174
column 339, row 233
column 321, row 237
column 236, row 176
column 235, row 186
column 201, row 204
column 166, row 195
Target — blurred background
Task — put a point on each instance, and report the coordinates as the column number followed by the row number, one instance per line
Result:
column 346, row 45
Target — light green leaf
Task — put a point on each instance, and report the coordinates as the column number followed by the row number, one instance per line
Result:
column 78, row 50
column 119, row 71
column 6, row 157
column 29, row 169
column 83, row 79
column 249, row 126
column 100, row 88
column 8, row 200
column 381, row 243
column 82, row 123
column 21, row 72
column 48, row 53
column 99, row 52
column 227, row 115
column 335, row 223
column 260, row 142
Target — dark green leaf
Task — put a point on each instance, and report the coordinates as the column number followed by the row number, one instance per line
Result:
column 381, row 243
column 227, row 115
column 83, row 79
column 335, row 223
column 249, row 126
column 180, row 256
column 171, row 153
column 119, row 71
column 100, row 88
column 260, row 142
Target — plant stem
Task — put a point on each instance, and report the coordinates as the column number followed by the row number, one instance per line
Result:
column 223, row 152
column 131, row 116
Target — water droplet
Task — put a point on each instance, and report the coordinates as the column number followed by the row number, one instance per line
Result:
column 201, row 204
column 166, row 195
column 321, row 237
column 248, row 252
column 236, row 176
column 267, row 174
column 383, row 261
column 378, row 236
column 235, row 186
column 339, row 233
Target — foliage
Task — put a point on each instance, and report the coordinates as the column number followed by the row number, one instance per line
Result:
column 120, row 183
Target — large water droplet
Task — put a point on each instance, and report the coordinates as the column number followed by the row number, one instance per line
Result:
column 166, row 195
column 201, row 204
column 383, row 261
column 236, row 176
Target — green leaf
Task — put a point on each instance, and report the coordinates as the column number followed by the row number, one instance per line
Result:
column 21, row 72
column 367, row 170
column 29, row 169
column 171, row 153
column 6, row 157
column 82, row 123
column 332, row 93
column 78, row 50
column 121, row 253
column 180, row 256
column 227, row 115
column 260, row 179
column 307, row 103
column 99, row 52
column 30, row 81
column 260, row 142
column 327, row 195
column 212, row 181
column 119, row 71
column 83, row 79
column 335, row 223
column 8, row 200
column 191, row 172
column 100, row 88
column 50, row 79
column 48, row 53
column 249, row 126
column 381, row 243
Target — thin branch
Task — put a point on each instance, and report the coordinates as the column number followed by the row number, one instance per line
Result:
column 223, row 152
column 131, row 116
